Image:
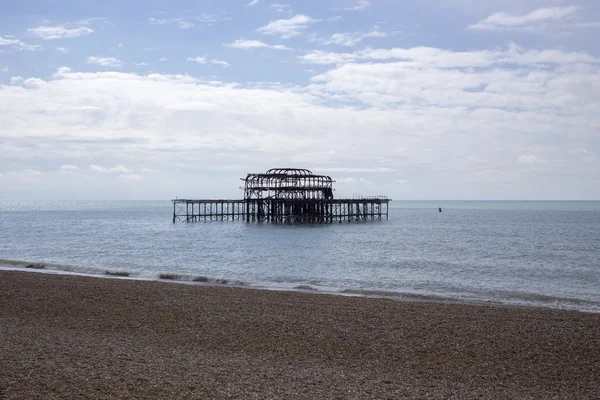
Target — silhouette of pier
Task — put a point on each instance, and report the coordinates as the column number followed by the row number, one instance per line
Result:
column 286, row 196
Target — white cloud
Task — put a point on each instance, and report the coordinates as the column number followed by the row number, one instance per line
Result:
column 33, row 82
column 141, row 64
column 16, row 80
column 189, row 22
column 423, row 115
column 28, row 174
column 502, row 20
column 204, row 60
column 105, row 61
column 16, row 44
column 287, row 28
column 280, row 7
column 361, row 5
column 130, row 178
column 59, row 32
column 199, row 60
column 252, row 3
column 350, row 39
column 222, row 63
column 325, row 57
column 116, row 168
column 527, row 159
column 210, row 19
column 376, row 34
column 346, row 179
column 62, row 50
column 475, row 160
column 163, row 59
column 449, row 59
column 185, row 25
column 254, row 44
column 68, row 167
column 180, row 22
column 353, row 169
column 402, row 181
column 344, row 39
column 4, row 69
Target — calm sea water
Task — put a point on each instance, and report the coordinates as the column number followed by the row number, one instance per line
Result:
column 519, row 253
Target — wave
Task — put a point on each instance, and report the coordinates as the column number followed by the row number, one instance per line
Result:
column 395, row 294
column 115, row 273
column 496, row 298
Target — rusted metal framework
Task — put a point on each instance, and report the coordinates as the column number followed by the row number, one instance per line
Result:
column 288, row 183
column 284, row 195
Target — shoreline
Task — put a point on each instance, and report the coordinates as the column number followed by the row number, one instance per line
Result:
column 541, row 302
column 67, row 335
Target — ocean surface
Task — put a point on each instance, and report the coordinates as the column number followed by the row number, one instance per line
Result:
column 506, row 252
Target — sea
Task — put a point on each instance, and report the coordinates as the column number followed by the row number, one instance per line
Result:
column 515, row 253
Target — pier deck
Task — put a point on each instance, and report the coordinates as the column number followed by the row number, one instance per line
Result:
column 281, row 210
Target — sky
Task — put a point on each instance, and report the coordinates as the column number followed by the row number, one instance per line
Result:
column 428, row 99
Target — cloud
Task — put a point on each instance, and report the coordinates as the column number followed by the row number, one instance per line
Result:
column 349, row 169
column 16, row 80
column 210, row 19
column 402, row 181
column 105, row 61
column 141, row 64
column 27, row 174
column 346, row 179
column 450, row 59
column 189, row 22
column 199, row 60
column 287, row 28
column 254, row 44
column 4, row 69
column 62, row 50
column 527, row 159
column 252, row 3
column 280, row 7
column 204, row 60
column 116, row 168
column 68, row 167
column 450, row 80
column 361, row 5
column 185, row 25
column 180, row 22
column 163, row 59
column 59, row 32
column 130, row 178
column 344, row 39
column 424, row 115
column 33, row 82
column 222, row 63
column 503, row 20
column 351, row 39
column 16, row 44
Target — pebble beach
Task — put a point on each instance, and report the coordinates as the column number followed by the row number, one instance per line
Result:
column 65, row 336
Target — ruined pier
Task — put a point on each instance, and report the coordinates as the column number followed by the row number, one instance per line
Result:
column 286, row 196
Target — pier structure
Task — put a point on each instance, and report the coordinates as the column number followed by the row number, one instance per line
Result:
column 284, row 195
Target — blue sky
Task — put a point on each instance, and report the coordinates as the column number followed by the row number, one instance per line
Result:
column 434, row 99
